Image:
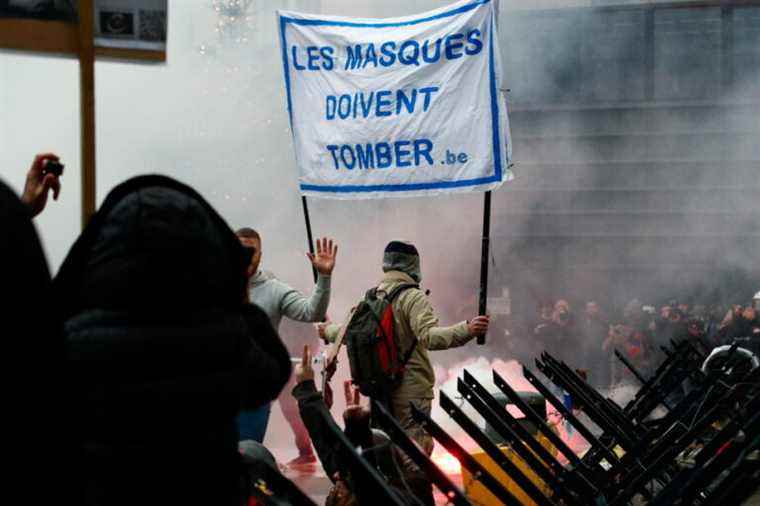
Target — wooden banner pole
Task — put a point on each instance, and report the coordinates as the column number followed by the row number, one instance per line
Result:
column 87, row 106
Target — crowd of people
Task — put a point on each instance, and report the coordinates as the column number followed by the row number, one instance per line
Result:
column 587, row 339
column 149, row 363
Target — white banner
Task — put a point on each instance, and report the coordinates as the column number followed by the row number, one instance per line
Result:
column 396, row 107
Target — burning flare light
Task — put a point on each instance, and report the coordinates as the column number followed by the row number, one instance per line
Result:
column 447, row 462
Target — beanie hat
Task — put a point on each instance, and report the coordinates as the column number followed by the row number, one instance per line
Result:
column 402, row 256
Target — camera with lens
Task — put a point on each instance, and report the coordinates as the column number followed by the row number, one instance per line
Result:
column 52, row 167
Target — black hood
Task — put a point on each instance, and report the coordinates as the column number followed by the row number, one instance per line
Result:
column 155, row 245
column 162, row 350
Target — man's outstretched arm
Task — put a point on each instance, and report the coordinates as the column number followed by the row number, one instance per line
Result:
column 430, row 335
column 296, row 305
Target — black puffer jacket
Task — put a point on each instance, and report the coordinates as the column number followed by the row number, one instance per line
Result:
column 162, row 351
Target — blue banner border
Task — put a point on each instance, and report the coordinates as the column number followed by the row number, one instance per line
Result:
column 284, row 20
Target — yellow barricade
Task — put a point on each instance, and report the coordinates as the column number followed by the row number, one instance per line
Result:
column 480, row 496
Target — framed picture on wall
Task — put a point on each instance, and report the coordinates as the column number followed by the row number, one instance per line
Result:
column 131, row 24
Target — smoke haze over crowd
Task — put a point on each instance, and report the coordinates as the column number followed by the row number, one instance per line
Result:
column 621, row 191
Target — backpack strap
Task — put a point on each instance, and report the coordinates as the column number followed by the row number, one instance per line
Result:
column 400, row 288
column 391, row 297
column 388, row 297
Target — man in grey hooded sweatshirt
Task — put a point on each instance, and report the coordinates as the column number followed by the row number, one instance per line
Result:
column 279, row 300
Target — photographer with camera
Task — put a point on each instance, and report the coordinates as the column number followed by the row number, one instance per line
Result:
column 35, row 375
column 559, row 335
column 741, row 322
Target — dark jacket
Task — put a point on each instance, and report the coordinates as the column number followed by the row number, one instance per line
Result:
column 32, row 365
column 322, row 430
column 317, row 419
column 740, row 327
column 561, row 341
column 163, row 353
column 591, row 335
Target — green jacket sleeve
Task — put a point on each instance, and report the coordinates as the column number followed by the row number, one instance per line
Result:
column 424, row 324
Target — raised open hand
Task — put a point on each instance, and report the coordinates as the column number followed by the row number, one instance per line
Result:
column 324, row 259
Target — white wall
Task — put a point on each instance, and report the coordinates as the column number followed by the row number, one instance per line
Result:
column 39, row 111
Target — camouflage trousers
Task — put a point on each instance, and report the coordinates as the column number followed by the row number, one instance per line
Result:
column 414, row 477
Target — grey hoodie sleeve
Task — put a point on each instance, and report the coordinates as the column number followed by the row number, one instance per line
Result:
column 297, row 306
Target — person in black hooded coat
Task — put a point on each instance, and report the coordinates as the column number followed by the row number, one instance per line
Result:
column 33, row 352
column 163, row 351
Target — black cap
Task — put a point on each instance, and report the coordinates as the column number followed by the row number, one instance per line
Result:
column 401, row 247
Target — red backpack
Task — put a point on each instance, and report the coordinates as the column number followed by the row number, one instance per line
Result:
column 374, row 354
